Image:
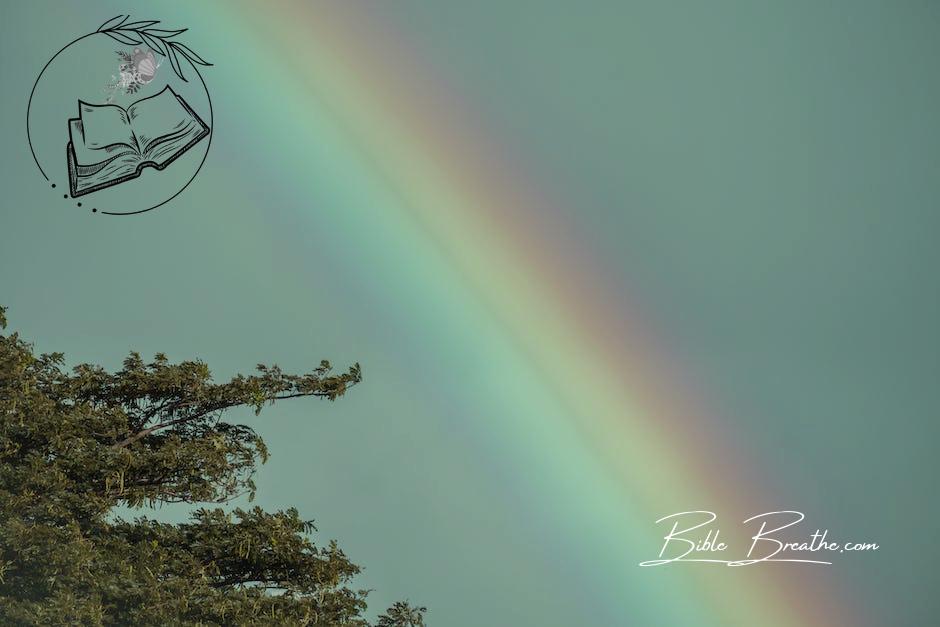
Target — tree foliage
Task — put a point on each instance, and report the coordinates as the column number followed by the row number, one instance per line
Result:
column 401, row 614
column 75, row 445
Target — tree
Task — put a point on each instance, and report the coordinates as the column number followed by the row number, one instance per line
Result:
column 401, row 614
column 75, row 445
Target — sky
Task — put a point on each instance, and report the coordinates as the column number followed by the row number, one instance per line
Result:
column 599, row 265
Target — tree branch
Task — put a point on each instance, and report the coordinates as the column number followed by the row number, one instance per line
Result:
column 221, row 407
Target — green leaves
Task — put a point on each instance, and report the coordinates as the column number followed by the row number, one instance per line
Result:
column 402, row 614
column 157, row 39
column 76, row 445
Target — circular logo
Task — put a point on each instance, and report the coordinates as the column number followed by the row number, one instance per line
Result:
column 119, row 121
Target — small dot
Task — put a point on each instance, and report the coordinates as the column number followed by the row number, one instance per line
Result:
column 94, row 210
column 79, row 204
column 53, row 186
column 65, row 195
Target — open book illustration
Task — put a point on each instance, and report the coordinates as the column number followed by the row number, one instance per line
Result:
column 110, row 145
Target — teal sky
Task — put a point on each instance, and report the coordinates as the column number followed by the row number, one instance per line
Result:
column 759, row 179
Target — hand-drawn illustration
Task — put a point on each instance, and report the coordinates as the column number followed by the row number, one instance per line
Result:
column 135, row 70
column 160, row 41
column 112, row 141
column 109, row 145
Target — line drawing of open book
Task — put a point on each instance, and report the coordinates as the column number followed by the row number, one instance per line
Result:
column 109, row 144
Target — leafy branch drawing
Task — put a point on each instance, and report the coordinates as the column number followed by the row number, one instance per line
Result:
column 157, row 39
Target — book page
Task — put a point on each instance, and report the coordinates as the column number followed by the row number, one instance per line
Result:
column 165, row 148
column 159, row 118
column 104, row 126
column 92, row 168
column 85, row 156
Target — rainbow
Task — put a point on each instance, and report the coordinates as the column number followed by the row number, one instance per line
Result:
column 596, row 425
